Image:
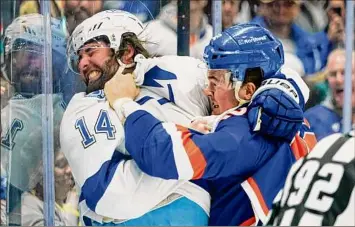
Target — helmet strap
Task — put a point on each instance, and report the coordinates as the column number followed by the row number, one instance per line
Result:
column 237, row 85
column 123, row 66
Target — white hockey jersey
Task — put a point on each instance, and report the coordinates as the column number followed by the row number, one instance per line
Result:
column 21, row 138
column 177, row 79
column 92, row 139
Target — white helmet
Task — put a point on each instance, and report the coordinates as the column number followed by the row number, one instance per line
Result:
column 111, row 24
column 27, row 31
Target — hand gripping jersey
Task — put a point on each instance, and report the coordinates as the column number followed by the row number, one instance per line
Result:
column 320, row 188
column 246, row 169
column 21, row 138
column 92, row 139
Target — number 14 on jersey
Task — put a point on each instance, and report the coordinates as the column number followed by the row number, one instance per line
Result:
column 103, row 125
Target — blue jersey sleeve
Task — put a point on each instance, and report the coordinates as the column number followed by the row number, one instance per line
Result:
column 171, row 151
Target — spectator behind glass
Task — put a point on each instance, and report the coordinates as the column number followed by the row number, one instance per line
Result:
column 336, row 29
column 312, row 17
column 6, row 91
column 333, row 35
column 162, row 36
column 236, row 12
column 279, row 17
column 145, row 10
column 230, row 9
column 326, row 118
column 21, row 118
column 34, row 6
column 3, row 216
column 66, row 199
column 76, row 11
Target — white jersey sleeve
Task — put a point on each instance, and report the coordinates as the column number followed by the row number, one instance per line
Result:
column 111, row 184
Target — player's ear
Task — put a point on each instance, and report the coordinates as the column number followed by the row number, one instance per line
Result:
column 128, row 54
column 250, row 89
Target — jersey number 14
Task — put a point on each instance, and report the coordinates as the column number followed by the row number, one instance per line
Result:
column 103, row 125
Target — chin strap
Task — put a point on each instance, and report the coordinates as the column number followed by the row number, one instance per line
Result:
column 237, row 85
column 124, row 66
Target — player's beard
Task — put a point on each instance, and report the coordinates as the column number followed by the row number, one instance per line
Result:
column 108, row 70
column 27, row 81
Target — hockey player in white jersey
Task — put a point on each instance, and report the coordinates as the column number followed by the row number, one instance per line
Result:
column 21, row 119
column 113, row 189
column 320, row 188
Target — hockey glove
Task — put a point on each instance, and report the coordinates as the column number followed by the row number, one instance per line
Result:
column 276, row 109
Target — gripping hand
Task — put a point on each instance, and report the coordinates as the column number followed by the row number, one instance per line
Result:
column 276, row 108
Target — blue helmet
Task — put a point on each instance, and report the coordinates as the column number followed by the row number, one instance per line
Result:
column 245, row 46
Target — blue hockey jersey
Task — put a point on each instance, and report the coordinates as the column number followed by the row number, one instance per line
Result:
column 239, row 164
column 324, row 121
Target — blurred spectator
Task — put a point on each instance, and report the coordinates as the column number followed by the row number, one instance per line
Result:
column 3, row 200
column 312, row 17
column 233, row 12
column 7, row 92
column 247, row 11
column 34, row 6
column 161, row 33
column 145, row 10
column 3, row 217
column 76, row 11
column 318, row 89
column 326, row 118
column 230, row 9
column 333, row 35
column 336, row 28
column 279, row 17
column 66, row 208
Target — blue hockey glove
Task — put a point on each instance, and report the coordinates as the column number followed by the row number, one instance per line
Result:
column 276, row 109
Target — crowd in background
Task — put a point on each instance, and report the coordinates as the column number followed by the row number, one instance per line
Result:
column 312, row 34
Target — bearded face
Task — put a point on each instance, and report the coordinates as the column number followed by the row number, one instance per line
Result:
column 97, row 64
column 25, row 70
column 106, row 72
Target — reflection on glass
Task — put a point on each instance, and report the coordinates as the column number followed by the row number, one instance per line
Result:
column 21, row 118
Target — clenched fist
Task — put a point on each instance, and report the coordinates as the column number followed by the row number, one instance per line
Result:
column 201, row 125
column 121, row 86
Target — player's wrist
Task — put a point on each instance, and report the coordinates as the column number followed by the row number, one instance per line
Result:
column 124, row 107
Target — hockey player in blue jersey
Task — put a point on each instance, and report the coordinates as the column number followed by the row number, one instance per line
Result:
column 239, row 163
column 326, row 118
